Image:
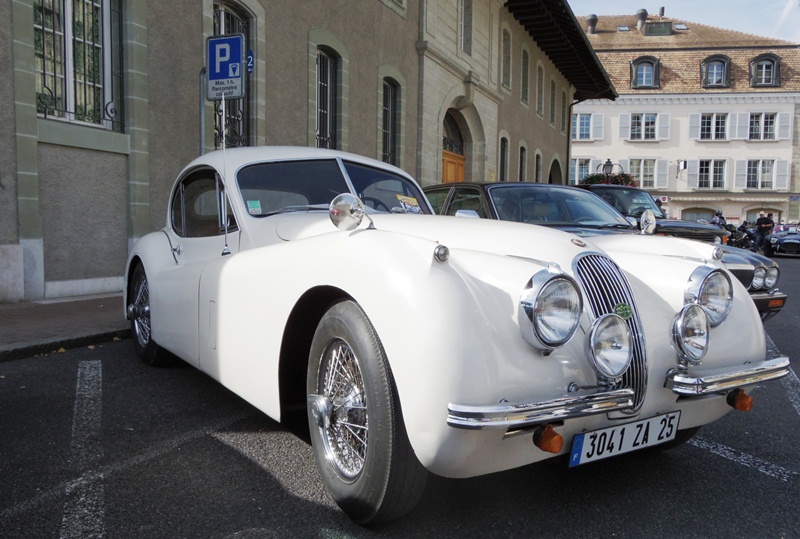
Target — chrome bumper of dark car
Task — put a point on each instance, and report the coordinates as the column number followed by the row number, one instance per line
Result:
column 768, row 303
column 693, row 386
column 517, row 416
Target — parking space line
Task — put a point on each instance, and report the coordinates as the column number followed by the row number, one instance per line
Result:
column 792, row 386
column 84, row 509
column 734, row 455
column 89, row 477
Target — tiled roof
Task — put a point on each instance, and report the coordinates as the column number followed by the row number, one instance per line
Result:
column 681, row 53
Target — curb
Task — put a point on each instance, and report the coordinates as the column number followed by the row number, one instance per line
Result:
column 52, row 346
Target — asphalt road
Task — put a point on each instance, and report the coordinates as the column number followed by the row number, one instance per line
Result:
column 96, row 444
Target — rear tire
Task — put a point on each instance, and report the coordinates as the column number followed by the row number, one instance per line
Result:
column 356, row 425
column 139, row 312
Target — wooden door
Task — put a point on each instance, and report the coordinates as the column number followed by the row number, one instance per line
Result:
column 452, row 167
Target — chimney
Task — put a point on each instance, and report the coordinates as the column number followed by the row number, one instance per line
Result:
column 591, row 24
column 661, row 12
column 641, row 18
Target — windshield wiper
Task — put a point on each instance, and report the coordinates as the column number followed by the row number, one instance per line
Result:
column 287, row 209
column 616, row 225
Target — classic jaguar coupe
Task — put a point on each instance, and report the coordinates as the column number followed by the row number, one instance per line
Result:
column 321, row 280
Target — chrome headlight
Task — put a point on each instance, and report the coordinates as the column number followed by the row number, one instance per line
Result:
column 553, row 305
column 712, row 290
column 771, row 280
column 690, row 333
column 759, row 276
column 610, row 343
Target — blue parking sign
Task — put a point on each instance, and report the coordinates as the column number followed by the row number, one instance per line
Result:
column 224, row 62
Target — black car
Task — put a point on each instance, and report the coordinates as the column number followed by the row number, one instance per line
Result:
column 785, row 242
column 580, row 212
column 632, row 201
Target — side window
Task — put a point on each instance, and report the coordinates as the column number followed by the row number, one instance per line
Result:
column 466, row 199
column 437, row 199
column 196, row 207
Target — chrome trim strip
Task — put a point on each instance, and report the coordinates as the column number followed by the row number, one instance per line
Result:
column 691, row 386
column 511, row 416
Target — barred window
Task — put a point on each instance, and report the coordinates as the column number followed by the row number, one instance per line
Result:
column 327, row 97
column 760, row 173
column 762, row 126
column 77, row 62
column 713, row 126
column 711, row 174
column 391, row 92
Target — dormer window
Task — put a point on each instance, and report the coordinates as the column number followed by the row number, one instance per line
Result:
column 715, row 72
column 645, row 72
column 765, row 70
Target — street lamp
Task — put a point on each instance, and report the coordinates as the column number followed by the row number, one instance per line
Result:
column 608, row 167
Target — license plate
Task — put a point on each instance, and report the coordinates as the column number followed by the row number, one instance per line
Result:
column 612, row 441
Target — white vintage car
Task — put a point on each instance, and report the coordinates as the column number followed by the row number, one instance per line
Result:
column 300, row 277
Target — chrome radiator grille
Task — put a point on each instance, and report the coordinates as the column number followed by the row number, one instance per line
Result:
column 606, row 287
column 743, row 274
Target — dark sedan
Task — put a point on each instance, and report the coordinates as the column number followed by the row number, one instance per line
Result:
column 632, row 201
column 580, row 212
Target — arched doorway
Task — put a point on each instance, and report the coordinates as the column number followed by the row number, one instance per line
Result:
column 556, row 176
column 453, row 151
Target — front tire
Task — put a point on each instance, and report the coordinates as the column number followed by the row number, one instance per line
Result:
column 139, row 314
column 357, row 430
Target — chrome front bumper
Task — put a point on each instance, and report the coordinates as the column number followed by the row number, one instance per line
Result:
column 517, row 416
column 692, row 386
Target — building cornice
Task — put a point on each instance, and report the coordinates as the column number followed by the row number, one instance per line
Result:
column 697, row 99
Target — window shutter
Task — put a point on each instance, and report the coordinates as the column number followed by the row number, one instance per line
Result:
column 692, row 173
column 593, row 164
column 782, row 175
column 573, row 170
column 704, row 73
column 662, row 120
column 694, row 126
column 624, row 164
column 597, row 126
column 662, row 173
column 784, row 126
column 624, row 126
column 741, row 127
column 740, row 174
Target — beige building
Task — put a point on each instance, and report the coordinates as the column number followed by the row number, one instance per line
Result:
column 706, row 119
column 108, row 102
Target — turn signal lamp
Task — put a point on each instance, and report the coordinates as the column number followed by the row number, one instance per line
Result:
column 547, row 439
column 739, row 400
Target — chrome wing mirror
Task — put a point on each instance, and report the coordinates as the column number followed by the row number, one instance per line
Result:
column 347, row 212
column 648, row 222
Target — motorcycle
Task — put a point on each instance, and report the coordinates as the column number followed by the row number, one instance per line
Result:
column 741, row 237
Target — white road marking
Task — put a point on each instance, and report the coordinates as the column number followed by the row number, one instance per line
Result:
column 84, row 509
column 158, row 450
column 792, row 386
column 739, row 457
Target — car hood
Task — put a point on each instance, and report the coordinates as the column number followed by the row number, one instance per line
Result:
column 502, row 237
column 687, row 228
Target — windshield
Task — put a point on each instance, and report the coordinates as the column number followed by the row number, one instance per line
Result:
column 276, row 187
column 631, row 202
column 553, row 206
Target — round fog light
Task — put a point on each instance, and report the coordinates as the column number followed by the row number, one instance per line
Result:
column 610, row 345
column 690, row 333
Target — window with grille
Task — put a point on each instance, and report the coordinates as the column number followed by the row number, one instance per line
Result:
column 525, row 84
column 713, row 126
column 235, row 126
column 465, row 23
column 760, row 173
column 643, row 126
column 523, row 163
column 540, row 90
column 762, row 126
column 77, row 63
column 326, row 99
column 552, row 102
column 644, row 171
column 507, row 59
column 391, row 92
column 711, row 174
column 503, row 159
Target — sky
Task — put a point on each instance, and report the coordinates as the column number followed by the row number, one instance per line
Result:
column 769, row 18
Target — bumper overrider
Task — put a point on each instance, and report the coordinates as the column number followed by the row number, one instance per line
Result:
column 517, row 416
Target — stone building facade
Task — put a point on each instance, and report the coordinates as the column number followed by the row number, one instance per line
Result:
column 706, row 120
column 107, row 104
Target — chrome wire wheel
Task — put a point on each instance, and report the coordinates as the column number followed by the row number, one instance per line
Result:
column 140, row 310
column 345, row 430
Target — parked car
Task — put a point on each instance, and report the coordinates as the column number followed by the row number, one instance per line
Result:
column 576, row 211
column 785, row 242
column 318, row 280
column 632, row 201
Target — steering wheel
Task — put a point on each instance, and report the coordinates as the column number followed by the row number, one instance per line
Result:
column 375, row 203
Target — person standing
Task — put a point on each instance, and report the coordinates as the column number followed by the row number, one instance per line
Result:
column 764, row 227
